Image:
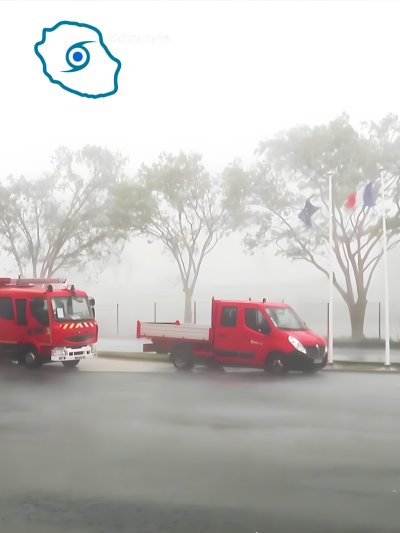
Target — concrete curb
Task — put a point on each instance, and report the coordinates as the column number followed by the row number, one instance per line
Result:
column 135, row 356
column 336, row 367
column 376, row 368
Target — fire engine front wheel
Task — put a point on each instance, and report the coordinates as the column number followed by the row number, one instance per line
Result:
column 182, row 358
column 30, row 359
column 70, row 364
column 276, row 365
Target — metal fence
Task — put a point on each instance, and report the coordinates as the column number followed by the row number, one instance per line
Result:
column 119, row 319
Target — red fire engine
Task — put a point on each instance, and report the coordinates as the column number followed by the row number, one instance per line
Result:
column 245, row 334
column 43, row 321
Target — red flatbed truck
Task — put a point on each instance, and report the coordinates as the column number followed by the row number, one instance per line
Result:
column 249, row 334
column 44, row 321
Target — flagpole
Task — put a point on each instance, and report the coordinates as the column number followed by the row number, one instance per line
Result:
column 386, row 273
column 330, row 316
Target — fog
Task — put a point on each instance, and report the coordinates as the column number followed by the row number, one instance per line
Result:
column 216, row 78
column 128, row 443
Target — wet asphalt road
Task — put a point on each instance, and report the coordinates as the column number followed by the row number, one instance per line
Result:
column 163, row 452
column 360, row 355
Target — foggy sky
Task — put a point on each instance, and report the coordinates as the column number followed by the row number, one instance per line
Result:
column 213, row 77
column 216, row 77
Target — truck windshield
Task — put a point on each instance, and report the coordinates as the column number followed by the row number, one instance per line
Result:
column 71, row 308
column 285, row 318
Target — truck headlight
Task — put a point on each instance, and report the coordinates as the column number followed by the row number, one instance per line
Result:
column 58, row 351
column 296, row 344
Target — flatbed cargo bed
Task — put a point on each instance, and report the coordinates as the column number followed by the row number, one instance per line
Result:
column 192, row 332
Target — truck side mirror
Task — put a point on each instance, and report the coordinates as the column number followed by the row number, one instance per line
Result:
column 92, row 302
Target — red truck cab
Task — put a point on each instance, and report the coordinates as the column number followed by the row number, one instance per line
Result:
column 43, row 322
column 242, row 333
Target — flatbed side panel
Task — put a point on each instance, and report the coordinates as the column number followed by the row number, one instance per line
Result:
column 165, row 346
column 191, row 332
column 152, row 348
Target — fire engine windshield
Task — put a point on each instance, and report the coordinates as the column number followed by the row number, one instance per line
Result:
column 285, row 318
column 71, row 308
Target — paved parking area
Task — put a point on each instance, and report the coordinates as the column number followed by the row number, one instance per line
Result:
column 140, row 452
column 104, row 364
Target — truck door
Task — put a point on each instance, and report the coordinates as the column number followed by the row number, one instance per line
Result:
column 39, row 321
column 240, row 337
column 22, row 320
column 7, row 322
column 255, row 334
column 226, row 339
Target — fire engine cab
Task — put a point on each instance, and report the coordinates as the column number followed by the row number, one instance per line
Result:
column 43, row 321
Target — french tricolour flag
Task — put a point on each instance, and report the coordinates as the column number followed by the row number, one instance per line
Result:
column 366, row 196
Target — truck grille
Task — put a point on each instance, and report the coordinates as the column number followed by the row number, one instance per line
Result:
column 78, row 338
column 315, row 351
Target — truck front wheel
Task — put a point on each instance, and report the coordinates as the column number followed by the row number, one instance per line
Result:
column 30, row 359
column 182, row 358
column 276, row 364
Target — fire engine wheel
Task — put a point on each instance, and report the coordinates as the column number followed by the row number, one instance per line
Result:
column 70, row 364
column 30, row 359
column 276, row 365
column 182, row 358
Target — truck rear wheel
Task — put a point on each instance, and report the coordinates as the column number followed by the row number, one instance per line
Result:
column 182, row 358
column 70, row 364
column 276, row 365
column 213, row 366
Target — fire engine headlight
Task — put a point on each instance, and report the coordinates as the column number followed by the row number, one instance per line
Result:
column 296, row 344
column 58, row 352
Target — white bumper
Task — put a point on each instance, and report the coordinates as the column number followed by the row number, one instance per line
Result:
column 71, row 354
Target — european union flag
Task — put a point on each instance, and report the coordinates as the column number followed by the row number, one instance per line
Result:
column 307, row 213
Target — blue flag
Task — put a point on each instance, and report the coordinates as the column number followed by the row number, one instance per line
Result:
column 307, row 212
column 369, row 196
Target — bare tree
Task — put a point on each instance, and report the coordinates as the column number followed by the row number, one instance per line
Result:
column 62, row 219
column 177, row 203
column 294, row 166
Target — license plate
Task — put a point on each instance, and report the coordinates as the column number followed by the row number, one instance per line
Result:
column 318, row 360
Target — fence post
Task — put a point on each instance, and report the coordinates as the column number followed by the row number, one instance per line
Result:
column 117, row 320
column 195, row 312
column 379, row 320
column 155, row 311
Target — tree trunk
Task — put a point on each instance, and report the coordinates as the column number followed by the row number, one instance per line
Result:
column 188, row 306
column 357, row 312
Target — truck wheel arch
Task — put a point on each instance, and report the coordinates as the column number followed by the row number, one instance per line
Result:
column 275, row 363
column 26, row 347
column 28, row 356
column 182, row 356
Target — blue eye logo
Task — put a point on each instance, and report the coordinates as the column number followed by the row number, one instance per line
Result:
column 77, row 56
column 59, row 57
